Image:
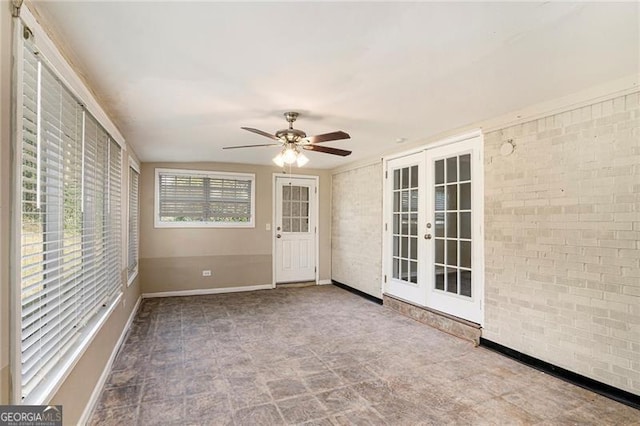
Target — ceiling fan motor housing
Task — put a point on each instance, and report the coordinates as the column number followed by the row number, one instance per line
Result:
column 291, row 135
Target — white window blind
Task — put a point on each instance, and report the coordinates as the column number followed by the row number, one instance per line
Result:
column 133, row 243
column 70, row 246
column 197, row 198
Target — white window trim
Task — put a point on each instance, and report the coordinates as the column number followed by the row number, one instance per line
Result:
column 203, row 173
column 133, row 164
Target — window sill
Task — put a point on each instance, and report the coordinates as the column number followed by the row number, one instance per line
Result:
column 132, row 278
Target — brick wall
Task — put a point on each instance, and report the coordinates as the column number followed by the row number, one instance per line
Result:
column 356, row 228
column 562, row 240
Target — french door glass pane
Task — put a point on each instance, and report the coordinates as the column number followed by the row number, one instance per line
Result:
column 465, row 254
column 439, row 172
column 465, row 225
column 452, row 217
column 465, row 283
column 452, row 280
column 452, row 225
column 452, row 170
column 452, row 197
column 439, row 278
column 439, row 224
column 413, row 272
column 465, row 196
column 439, row 251
column 465, row 167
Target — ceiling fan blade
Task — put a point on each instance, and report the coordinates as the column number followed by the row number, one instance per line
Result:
column 250, row 146
column 260, row 132
column 326, row 137
column 327, row 150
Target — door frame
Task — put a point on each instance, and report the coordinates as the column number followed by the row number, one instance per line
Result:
column 478, row 214
column 316, row 212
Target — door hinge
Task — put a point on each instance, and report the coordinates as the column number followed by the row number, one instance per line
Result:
column 385, row 226
column 385, row 278
column 315, row 230
column 386, row 174
column 315, row 190
column 315, row 269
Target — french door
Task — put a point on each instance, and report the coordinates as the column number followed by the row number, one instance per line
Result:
column 404, row 225
column 433, row 228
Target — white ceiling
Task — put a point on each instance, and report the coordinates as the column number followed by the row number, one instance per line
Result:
column 180, row 78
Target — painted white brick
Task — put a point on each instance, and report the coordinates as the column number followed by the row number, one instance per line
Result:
column 562, row 240
column 356, row 237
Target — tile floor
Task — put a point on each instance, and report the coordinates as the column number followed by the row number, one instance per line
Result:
column 323, row 356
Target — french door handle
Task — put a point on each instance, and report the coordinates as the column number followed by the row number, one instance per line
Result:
column 427, row 236
column 278, row 235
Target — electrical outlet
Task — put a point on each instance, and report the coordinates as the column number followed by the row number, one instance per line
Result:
column 206, row 273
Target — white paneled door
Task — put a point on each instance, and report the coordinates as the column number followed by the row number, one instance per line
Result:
column 433, row 228
column 295, row 229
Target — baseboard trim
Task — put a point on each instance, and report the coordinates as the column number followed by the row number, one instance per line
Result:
column 88, row 409
column 324, row 282
column 357, row 292
column 603, row 389
column 203, row 291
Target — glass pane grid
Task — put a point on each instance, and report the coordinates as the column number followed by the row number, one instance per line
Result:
column 295, row 208
column 452, row 214
column 405, row 224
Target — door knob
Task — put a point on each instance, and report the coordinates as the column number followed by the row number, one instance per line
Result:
column 427, row 236
column 278, row 235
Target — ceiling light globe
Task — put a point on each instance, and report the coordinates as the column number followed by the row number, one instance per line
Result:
column 289, row 156
column 302, row 160
column 279, row 160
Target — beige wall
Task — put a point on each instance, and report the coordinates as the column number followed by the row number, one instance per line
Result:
column 5, row 182
column 172, row 259
column 562, row 216
column 356, row 221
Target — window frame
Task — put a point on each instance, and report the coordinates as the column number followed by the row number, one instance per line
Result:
column 205, row 174
column 133, row 164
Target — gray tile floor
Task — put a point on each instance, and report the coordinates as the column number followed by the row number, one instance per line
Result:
column 323, row 356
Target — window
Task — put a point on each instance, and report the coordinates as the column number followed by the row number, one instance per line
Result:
column 195, row 198
column 69, row 224
column 133, row 240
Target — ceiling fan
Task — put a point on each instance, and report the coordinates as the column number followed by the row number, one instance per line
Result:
column 293, row 140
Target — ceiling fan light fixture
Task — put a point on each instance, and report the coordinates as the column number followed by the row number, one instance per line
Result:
column 291, row 141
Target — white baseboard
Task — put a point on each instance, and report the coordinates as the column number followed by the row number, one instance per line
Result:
column 88, row 409
column 324, row 282
column 201, row 291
